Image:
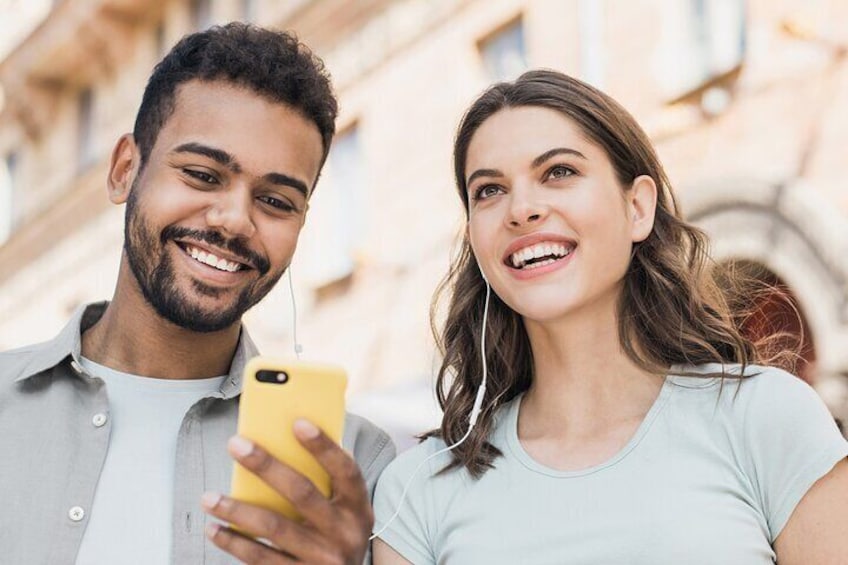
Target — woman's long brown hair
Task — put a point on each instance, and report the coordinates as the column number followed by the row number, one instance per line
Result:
column 671, row 311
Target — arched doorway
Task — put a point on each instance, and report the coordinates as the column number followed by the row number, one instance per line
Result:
column 774, row 310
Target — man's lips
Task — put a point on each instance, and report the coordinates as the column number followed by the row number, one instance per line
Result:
column 214, row 257
column 233, row 250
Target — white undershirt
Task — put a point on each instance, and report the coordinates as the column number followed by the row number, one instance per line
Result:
column 130, row 520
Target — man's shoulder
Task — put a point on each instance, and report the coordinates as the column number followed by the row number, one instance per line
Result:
column 371, row 446
column 22, row 361
column 32, row 359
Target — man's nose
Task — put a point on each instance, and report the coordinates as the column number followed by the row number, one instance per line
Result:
column 232, row 213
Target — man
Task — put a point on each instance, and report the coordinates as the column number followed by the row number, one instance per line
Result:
column 115, row 433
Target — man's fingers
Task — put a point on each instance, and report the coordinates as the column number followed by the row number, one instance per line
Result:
column 347, row 481
column 243, row 548
column 299, row 490
column 293, row 538
column 344, row 522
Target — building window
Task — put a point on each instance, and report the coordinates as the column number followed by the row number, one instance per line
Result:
column 85, row 128
column 336, row 226
column 702, row 42
column 719, row 35
column 8, row 172
column 503, row 52
column 201, row 14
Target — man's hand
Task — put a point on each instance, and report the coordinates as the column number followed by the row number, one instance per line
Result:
column 333, row 531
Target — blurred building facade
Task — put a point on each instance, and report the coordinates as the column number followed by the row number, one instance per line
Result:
column 747, row 103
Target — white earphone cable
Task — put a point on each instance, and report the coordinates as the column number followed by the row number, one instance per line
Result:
column 297, row 347
column 472, row 420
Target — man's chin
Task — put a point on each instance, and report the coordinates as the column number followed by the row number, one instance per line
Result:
column 201, row 314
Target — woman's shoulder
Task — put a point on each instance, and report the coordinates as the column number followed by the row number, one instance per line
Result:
column 433, row 454
column 731, row 382
column 779, row 430
column 414, row 488
column 756, row 398
column 419, row 464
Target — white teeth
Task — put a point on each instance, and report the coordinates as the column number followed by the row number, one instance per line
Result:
column 540, row 264
column 212, row 260
column 520, row 258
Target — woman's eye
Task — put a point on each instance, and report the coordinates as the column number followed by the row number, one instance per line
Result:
column 278, row 203
column 201, row 176
column 560, row 172
column 486, row 191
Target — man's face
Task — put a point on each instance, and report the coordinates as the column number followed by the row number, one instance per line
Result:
column 212, row 220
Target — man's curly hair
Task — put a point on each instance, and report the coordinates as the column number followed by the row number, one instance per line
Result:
column 274, row 64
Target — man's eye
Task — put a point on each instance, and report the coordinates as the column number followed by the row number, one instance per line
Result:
column 277, row 203
column 201, row 176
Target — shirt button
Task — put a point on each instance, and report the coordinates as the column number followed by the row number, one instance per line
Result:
column 76, row 367
column 99, row 420
column 76, row 513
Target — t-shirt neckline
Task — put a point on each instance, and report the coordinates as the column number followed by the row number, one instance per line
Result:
column 515, row 447
column 152, row 384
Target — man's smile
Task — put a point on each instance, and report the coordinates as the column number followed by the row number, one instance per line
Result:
column 214, row 258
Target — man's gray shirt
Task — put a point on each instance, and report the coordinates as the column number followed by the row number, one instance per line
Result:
column 54, row 435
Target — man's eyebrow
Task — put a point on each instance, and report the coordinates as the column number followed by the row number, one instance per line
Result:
column 483, row 173
column 554, row 152
column 213, row 153
column 286, row 180
column 227, row 160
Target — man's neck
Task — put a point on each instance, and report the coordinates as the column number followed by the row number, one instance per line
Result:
column 131, row 337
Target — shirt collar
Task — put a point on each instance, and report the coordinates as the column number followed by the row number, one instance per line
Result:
column 68, row 343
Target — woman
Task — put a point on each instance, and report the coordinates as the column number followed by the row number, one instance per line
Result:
column 624, row 420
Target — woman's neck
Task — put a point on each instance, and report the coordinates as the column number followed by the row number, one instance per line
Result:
column 583, row 380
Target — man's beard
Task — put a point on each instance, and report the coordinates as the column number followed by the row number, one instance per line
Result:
column 158, row 281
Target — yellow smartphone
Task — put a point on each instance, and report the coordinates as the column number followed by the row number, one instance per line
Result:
column 275, row 393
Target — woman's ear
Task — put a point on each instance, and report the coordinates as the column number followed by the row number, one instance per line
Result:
column 123, row 169
column 642, row 202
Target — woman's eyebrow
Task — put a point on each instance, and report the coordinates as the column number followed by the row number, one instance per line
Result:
column 536, row 162
column 483, row 173
column 556, row 151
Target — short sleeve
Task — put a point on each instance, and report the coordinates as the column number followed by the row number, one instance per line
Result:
column 791, row 441
column 411, row 532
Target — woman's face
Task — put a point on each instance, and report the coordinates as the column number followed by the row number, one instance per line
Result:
column 550, row 224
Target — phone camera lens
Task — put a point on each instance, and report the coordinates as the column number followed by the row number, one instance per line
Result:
column 273, row 377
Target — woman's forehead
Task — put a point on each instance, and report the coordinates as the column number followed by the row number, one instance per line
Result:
column 525, row 132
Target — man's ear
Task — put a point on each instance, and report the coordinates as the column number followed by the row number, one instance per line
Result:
column 123, row 169
column 642, row 201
